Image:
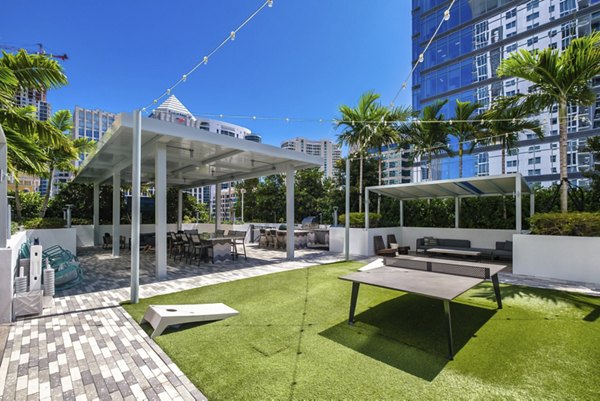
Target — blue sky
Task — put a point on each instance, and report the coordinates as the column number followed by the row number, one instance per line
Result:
column 300, row 58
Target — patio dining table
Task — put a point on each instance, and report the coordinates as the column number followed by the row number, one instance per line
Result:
column 221, row 247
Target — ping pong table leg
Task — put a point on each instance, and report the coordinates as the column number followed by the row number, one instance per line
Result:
column 497, row 290
column 353, row 299
column 449, row 323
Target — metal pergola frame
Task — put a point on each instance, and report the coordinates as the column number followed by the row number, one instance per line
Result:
column 499, row 185
column 164, row 154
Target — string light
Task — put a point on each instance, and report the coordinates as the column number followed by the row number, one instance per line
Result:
column 230, row 37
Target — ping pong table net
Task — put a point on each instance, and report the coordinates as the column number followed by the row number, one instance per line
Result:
column 441, row 267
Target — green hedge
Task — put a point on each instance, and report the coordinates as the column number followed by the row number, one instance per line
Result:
column 358, row 220
column 47, row 222
column 581, row 224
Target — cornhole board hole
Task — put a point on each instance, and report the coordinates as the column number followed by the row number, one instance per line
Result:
column 162, row 316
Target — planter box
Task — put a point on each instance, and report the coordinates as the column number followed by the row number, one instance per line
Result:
column 558, row 257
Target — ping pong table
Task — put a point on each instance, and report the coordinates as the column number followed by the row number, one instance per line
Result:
column 430, row 277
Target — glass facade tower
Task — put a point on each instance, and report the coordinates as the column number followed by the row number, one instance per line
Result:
column 461, row 64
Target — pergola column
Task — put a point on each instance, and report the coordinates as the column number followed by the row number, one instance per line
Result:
column 518, row 208
column 135, row 206
column 179, row 210
column 366, row 208
column 3, row 190
column 217, row 206
column 401, row 213
column 456, row 212
column 160, row 209
column 347, row 222
column 289, row 211
column 116, row 212
column 96, row 214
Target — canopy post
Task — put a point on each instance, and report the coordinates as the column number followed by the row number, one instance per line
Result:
column 217, row 206
column 96, row 216
column 116, row 212
column 4, row 229
column 179, row 210
column 456, row 212
column 289, row 211
column 518, row 208
column 160, row 210
column 401, row 213
column 366, row 208
column 135, row 205
column 347, row 221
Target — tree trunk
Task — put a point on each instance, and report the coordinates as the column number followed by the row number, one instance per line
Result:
column 460, row 160
column 379, row 182
column 18, row 207
column 360, row 184
column 47, row 195
column 562, row 147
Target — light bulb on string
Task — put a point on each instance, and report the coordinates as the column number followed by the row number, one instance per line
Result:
column 184, row 77
column 447, row 15
column 205, row 60
column 270, row 3
column 421, row 58
column 168, row 91
column 232, row 35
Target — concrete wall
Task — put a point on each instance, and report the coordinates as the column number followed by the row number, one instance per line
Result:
column 65, row 237
column 564, row 258
column 8, row 263
column 480, row 238
column 361, row 241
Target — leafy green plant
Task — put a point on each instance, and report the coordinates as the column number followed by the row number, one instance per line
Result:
column 357, row 220
column 48, row 222
column 570, row 224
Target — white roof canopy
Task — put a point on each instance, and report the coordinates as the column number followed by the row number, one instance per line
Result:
column 498, row 185
column 194, row 157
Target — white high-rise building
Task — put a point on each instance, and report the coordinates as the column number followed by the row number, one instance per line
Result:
column 329, row 151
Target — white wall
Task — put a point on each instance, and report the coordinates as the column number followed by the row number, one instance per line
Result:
column 361, row 240
column 65, row 237
column 480, row 238
column 8, row 263
column 559, row 257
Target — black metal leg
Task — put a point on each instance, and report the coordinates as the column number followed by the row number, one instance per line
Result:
column 497, row 290
column 449, row 323
column 353, row 299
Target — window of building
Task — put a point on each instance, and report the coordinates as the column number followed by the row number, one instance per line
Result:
column 511, row 48
column 534, row 160
column 535, row 148
column 535, row 171
column 533, row 16
column 553, row 159
column 480, row 34
column 567, row 7
column 533, row 4
column 569, row 32
column 532, row 41
column 512, row 24
column 511, row 163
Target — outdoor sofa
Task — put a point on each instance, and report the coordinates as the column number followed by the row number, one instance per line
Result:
column 503, row 249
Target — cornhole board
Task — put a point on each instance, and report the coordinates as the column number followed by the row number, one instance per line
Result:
column 162, row 316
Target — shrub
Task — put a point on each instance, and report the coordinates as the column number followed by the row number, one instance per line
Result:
column 48, row 222
column 581, row 224
column 358, row 220
column 81, row 221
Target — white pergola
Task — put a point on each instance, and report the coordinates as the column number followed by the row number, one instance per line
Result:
column 163, row 154
column 498, row 185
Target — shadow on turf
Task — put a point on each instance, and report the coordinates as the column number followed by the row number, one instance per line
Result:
column 409, row 333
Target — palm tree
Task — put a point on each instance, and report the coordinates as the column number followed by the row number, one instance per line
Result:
column 26, row 71
column 465, row 129
column 560, row 79
column 359, row 123
column 385, row 134
column 503, row 125
column 429, row 136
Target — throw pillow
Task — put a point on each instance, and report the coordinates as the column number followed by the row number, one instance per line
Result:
column 427, row 241
column 433, row 242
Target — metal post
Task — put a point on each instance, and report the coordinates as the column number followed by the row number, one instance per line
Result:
column 217, row 206
column 96, row 216
column 347, row 222
column 401, row 213
column 160, row 210
column 289, row 211
column 179, row 210
column 69, row 215
column 3, row 189
column 456, row 212
column 135, row 205
column 518, row 208
column 242, row 191
column 116, row 212
column 366, row 209
column 531, row 203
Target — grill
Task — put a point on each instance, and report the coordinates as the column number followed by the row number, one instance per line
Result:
column 310, row 223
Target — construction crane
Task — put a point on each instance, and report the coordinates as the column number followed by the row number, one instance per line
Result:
column 40, row 51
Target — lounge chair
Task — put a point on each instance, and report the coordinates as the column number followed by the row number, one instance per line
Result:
column 380, row 248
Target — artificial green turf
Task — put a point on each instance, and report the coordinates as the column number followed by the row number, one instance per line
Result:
column 291, row 340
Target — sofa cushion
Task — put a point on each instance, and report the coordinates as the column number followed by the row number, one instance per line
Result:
column 455, row 243
column 430, row 241
column 508, row 246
